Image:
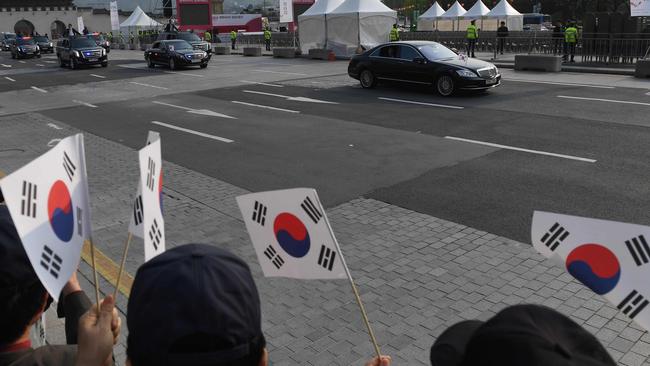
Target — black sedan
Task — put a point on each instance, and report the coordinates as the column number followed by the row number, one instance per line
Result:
column 426, row 63
column 175, row 53
column 44, row 43
column 25, row 47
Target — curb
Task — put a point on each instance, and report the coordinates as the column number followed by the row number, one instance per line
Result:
column 578, row 69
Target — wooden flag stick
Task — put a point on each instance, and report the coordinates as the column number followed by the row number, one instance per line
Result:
column 92, row 256
column 119, row 274
column 354, row 287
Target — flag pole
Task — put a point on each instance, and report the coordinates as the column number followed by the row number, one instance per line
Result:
column 92, row 256
column 354, row 287
column 119, row 275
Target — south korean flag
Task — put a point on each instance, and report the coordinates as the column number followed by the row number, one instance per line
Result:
column 151, row 188
column 611, row 258
column 136, row 224
column 290, row 233
column 49, row 204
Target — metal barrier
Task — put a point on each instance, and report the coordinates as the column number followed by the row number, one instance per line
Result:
column 278, row 39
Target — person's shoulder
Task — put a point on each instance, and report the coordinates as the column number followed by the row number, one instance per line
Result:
column 62, row 355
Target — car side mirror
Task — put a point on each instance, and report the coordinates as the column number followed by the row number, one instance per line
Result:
column 420, row 60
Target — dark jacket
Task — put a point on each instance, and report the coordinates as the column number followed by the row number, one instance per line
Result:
column 557, row 32
column 502, row 31
column 66, row 32
column 171, row 28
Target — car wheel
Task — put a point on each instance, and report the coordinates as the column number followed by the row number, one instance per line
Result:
column 445, row 85
column 172, row 64
column 73, row 64
column 104, row 64
column 367, row 79
column 150, row 63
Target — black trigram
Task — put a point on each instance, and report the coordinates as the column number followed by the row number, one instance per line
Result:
column 274, row 257
column 51, row 262
column 137, row 210
column 151, row 174
column 28, row 204
column 632, row 304
column 69, row 167
column 79, row 221
column 311, row 210
column 326, row 257
column 155, row 234
column 639, row 250
column 259, row 213
column 555, row 236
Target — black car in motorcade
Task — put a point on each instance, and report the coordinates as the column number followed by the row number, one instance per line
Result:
column 175, row 53
column 79, row 51
column 191, row 38
column 6, row 39
column 100, row 40
column 24, row 47
column 44, row 44
column 424, row 63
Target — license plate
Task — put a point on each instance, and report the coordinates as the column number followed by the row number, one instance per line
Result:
column 490, row 81
column 92, row 59
column 196, row 61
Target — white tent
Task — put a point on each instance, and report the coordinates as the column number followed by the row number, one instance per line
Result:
column 430, row 17
column 504, row 11
column 355, row 23
column 455, row 12
column 478, row 11
column 312, row 24
column 139, row 19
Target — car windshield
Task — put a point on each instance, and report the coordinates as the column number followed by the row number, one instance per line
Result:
column 178, row 44
column 190, row 37
column 41, row 39
column 436, row 51
column 10, row 36
column 82, row 42
column 96, row 37
column 24, row 41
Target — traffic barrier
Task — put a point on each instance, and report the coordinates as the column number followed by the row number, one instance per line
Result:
column 538, row 63
column 320, row 54
column 284, row 52
column 252, row 51
column 221, row 50
column 642, row 69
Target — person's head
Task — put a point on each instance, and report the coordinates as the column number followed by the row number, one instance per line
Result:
column 22, row 296
column 69, row 25
column 195, row 305
column 395, row 25
column 503, row 23
column 473, row 22
column 170, row 21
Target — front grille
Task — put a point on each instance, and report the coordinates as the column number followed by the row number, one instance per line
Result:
column 92, row 53
column 488, row 73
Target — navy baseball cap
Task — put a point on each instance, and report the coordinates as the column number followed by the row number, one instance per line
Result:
column 194, row 304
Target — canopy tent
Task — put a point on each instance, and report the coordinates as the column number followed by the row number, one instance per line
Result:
column 430, row 17
column 355, row 23
column 504, row 11
column 312, row 24
column 478, row 11
column 139, row 19
column 455, row 12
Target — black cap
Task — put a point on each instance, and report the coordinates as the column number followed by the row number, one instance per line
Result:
column 16, row 271
column 188, row 291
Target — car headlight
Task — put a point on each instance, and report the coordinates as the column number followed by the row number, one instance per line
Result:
column 38, row 48
column 51, row 45
column 496, row 69
column 76, row 53
column 103, row 52
column 20, row 49
column 466, row 73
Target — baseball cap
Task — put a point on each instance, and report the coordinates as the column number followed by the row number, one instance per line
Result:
column 191, row 293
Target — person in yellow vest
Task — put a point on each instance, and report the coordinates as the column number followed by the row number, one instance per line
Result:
column 208, row 36
column 394, row 33
column 233, row 38
column 472, row 36
column 267, row 39
column 571, row 39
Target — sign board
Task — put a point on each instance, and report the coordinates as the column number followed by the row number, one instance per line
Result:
column 80, row 24
column 115, row 19
column 286, row 11
column 640, row 8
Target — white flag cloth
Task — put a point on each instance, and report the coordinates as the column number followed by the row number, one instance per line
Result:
column 49, row 204
column 151, row 188
column 290, row 234
column 611, row 258
column 136, row 223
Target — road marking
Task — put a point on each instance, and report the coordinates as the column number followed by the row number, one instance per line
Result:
column 260, row 83
column 108, row 269
column 204, row 112
column 571, row 157
column 184, row 73
column 265, row 107
column 557, row 83
column 50, row 62
column 149, row 85
column 41, row 65
column 54, row 126
column 604, row 100
column 287, row 97
column 39, row 89
column 84, row 103
column 213, row 137
column 53, row 142
column 10, row 79
column 98, row 76
column 22, row 62
column 5, row 65
column 281, row 72
column 421, row 103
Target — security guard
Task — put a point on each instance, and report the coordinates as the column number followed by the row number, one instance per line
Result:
column 208, row 36
column 233, row 38
column 571, row 39
column 267, row 39
column 472, row 36
column 394, row 33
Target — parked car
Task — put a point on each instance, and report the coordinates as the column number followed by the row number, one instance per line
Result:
column 100, row 40
column 23, row 47
column 6, row 39
column 175, row 53
column 79, row 51
column 423, row 63
column 196, row 42
column 44, row 43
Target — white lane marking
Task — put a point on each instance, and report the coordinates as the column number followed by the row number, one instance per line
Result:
column 265, row 107
column 604, row 100
column 50, row 61
column 39, row 89
column 287, row 97
column 218, row 138
column 281, row 72
column 260, row 83
column 184, row 73
column 98, row 76
column 84, row 103
column 22, row 62
column 148, row 85
column 5, row 65
column 41, row 65
column 54, row 126
column 10, row 79
column 557, row 83
column 204, row 112
column 133, row 67
column 421, row 103
column 570, row 157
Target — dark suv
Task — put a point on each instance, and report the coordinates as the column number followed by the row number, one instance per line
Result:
column 78, row 51
column 191, row 38
column 44, row 44
column 100, row 40
column 25, row 47
column 6, row 39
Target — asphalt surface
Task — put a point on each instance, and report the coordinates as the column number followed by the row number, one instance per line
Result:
column 307, row 124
